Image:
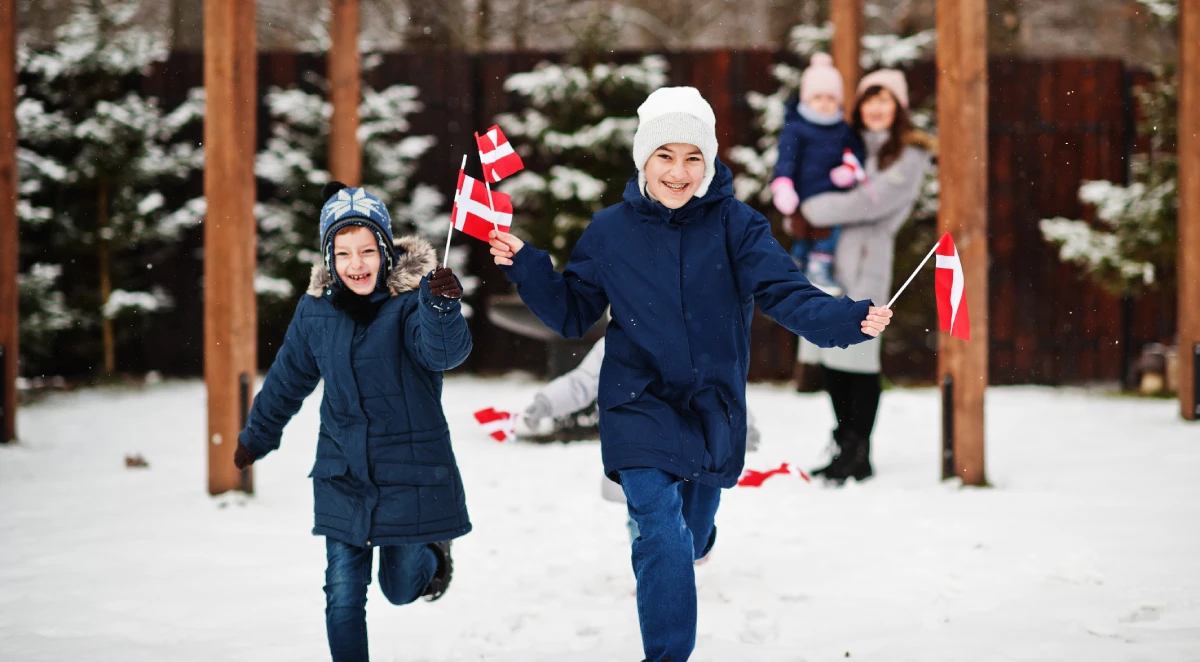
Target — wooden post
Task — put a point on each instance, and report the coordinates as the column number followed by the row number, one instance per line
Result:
column 230, row 318
column 345, row 90
column 9, row 313
column 1189, row 209
column 962, row 111
column 847, row 18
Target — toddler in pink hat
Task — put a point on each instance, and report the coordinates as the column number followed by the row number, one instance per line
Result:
column 818, row 151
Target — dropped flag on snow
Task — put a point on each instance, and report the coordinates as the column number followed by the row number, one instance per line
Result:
column 497, row 154
column 752, row 478
column 498, row 424
column 950, row 289
column 474, row 214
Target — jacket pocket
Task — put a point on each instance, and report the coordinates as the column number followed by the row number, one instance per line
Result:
column 334, row 494
column 628, row 390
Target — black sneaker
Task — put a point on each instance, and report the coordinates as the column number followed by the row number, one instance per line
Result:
column 445, row 570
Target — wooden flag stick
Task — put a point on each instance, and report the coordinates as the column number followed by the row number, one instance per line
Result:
column 450, row 232
column 914, row 275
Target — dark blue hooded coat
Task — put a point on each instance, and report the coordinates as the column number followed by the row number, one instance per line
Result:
column 385, row 472
column 808, row 151
column 682, row 285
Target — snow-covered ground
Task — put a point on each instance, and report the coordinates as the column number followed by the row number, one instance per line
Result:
column 1086, row 548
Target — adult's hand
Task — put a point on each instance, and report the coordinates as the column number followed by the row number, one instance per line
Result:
column 504, row 246
column 877, row 320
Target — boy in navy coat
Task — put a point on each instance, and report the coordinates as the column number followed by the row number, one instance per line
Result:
column 379, row 323
column 682, row 263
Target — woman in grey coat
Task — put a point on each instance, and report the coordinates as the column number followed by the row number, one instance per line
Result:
column 870, row 215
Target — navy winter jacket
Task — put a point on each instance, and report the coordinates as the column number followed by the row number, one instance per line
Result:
column 385, row 472
column 682, row 285
column 808, row 151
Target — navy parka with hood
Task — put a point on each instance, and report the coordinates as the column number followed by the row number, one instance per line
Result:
column 823, row 146
column 385, row 472
column 682, row 285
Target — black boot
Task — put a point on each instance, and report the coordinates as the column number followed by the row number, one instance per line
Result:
column 840, row 457
column 858, row 465
column 445, row 570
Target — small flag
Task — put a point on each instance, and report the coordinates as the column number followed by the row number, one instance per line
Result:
column 950, row 287
column 498, row 424
column 471, row 212
column 851, row 161
column 751, row 478
column 497, row 154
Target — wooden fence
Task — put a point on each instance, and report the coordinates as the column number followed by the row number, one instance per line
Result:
column 1053, row 124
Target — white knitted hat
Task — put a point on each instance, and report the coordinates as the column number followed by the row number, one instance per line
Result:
column 676, row 115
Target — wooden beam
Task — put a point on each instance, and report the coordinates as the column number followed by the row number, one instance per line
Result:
column 9, row 312
column 847, row 18
column 230, row 318
column 962, row 90
column 1189, row 208
column 345, row 89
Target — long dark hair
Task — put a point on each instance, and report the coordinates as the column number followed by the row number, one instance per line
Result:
column 901, row 126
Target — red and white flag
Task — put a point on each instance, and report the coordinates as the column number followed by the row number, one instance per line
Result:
column 498, row 424
column 497, row 154
column 950, row 288
column 851, row 161
column 751, row 478
column 472, row 213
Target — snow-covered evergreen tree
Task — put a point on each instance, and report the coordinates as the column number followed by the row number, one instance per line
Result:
column 1132, row 246
column 575, row 137
column 102, row 173
column 293, row 169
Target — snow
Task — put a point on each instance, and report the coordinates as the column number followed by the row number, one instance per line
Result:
column 121, row 300
column 1084, row 549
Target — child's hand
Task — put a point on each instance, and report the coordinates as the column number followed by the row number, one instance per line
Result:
column 785, row 197
column 504, row 247
column 877, row 320
column 242, row 458
column 843, row 176
column 442, row 283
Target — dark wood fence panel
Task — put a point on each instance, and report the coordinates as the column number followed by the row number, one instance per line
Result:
column 1052, row 125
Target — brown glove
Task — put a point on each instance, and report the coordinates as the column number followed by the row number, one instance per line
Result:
column 242, row 457
column 442, row 283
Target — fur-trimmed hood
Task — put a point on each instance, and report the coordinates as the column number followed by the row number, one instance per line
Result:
column 414, row 259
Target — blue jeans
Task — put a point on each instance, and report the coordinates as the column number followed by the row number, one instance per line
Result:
column 674, row 518
column 404, row 574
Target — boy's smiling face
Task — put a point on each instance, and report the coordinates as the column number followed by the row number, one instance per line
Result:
column 674, row 172
column 356, row 258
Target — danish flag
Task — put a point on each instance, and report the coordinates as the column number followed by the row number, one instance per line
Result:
column 473, row 214
column 497, row 154
column 949, row 287
column 498, row 424
column 751, row 478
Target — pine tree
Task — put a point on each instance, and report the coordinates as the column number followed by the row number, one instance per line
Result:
column 1131, row 248
column 103, row 175
column 578, row 130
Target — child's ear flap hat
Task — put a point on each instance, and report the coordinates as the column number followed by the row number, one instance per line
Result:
column 676, row 115
column 355, row 206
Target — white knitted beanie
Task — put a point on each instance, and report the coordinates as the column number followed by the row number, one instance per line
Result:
column 676, row 115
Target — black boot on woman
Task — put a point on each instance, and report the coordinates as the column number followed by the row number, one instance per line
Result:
column 856, row 450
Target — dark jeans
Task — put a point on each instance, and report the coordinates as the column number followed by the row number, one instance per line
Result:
column 404, row 574
column 675, row 525
column 855, row 399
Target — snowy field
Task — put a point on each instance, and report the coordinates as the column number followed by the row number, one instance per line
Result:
column 1087, row 547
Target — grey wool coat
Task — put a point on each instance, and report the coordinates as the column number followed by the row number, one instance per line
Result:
column 865, row 251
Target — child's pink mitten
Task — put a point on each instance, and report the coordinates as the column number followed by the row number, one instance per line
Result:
column 785, row 197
